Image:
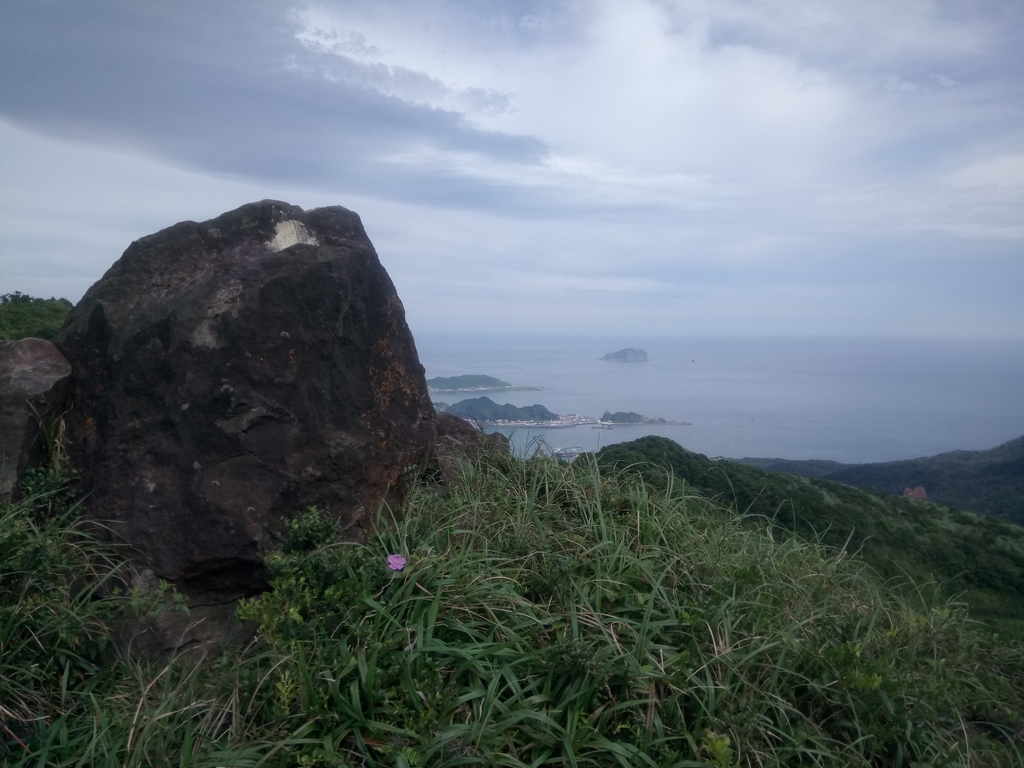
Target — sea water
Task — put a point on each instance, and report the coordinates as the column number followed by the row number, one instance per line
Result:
column 849, row 400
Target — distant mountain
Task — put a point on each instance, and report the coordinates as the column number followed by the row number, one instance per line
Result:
column 627, row 355
column 978, row 557
column 486, row 410
column 988, row 482
column 470, row 382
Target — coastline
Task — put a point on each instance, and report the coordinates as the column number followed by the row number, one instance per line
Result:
column 570, row 421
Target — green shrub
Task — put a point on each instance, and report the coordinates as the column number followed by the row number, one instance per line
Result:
column 22, row 316
column 309, row 531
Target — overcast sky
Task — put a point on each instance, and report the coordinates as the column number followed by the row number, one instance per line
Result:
column 748, row 167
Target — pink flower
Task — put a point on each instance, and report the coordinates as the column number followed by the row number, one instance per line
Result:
column 396, row 562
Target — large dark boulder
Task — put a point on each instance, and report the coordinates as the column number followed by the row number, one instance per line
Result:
column 33, row 382
column 231, row 373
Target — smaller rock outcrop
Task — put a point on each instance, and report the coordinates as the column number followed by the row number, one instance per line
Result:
column 627, row 355
column 33, row 384
column 458, row 440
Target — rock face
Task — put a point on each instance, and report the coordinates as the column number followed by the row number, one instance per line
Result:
column 228, row 374
column 627, row 355
column 455, row 431
column 33, row 383
column 458, row 440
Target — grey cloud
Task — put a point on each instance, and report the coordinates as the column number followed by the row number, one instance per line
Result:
column 208, row 85
column 347, row 42
column 486, row 99
column 333, row 65
column 878, row 44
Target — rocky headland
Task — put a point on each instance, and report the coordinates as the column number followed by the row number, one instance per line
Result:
column 631, row 417
column 486, row 411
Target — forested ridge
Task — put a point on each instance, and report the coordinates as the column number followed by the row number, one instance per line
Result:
column 989, row 482
column 974, row 556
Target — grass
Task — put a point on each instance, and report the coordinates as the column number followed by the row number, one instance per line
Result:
column 548, row 614
column 52, row 610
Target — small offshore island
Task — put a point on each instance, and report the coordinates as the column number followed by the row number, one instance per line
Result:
column 627, row 355
column 472, row 383
column 486, row 411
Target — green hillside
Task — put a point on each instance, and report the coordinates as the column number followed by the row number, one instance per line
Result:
column 541, row 614
column 469, row 381
column 988, row 482
column 807, row 468
column 23, row 316
column 486, row 410
column 977, row 556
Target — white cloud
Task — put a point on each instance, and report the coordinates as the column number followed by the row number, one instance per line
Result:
column 731, row 94
column 1002, row 171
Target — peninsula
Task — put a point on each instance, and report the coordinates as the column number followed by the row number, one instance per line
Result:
column 630, row 417
column 486, row 411
column 472, row 383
